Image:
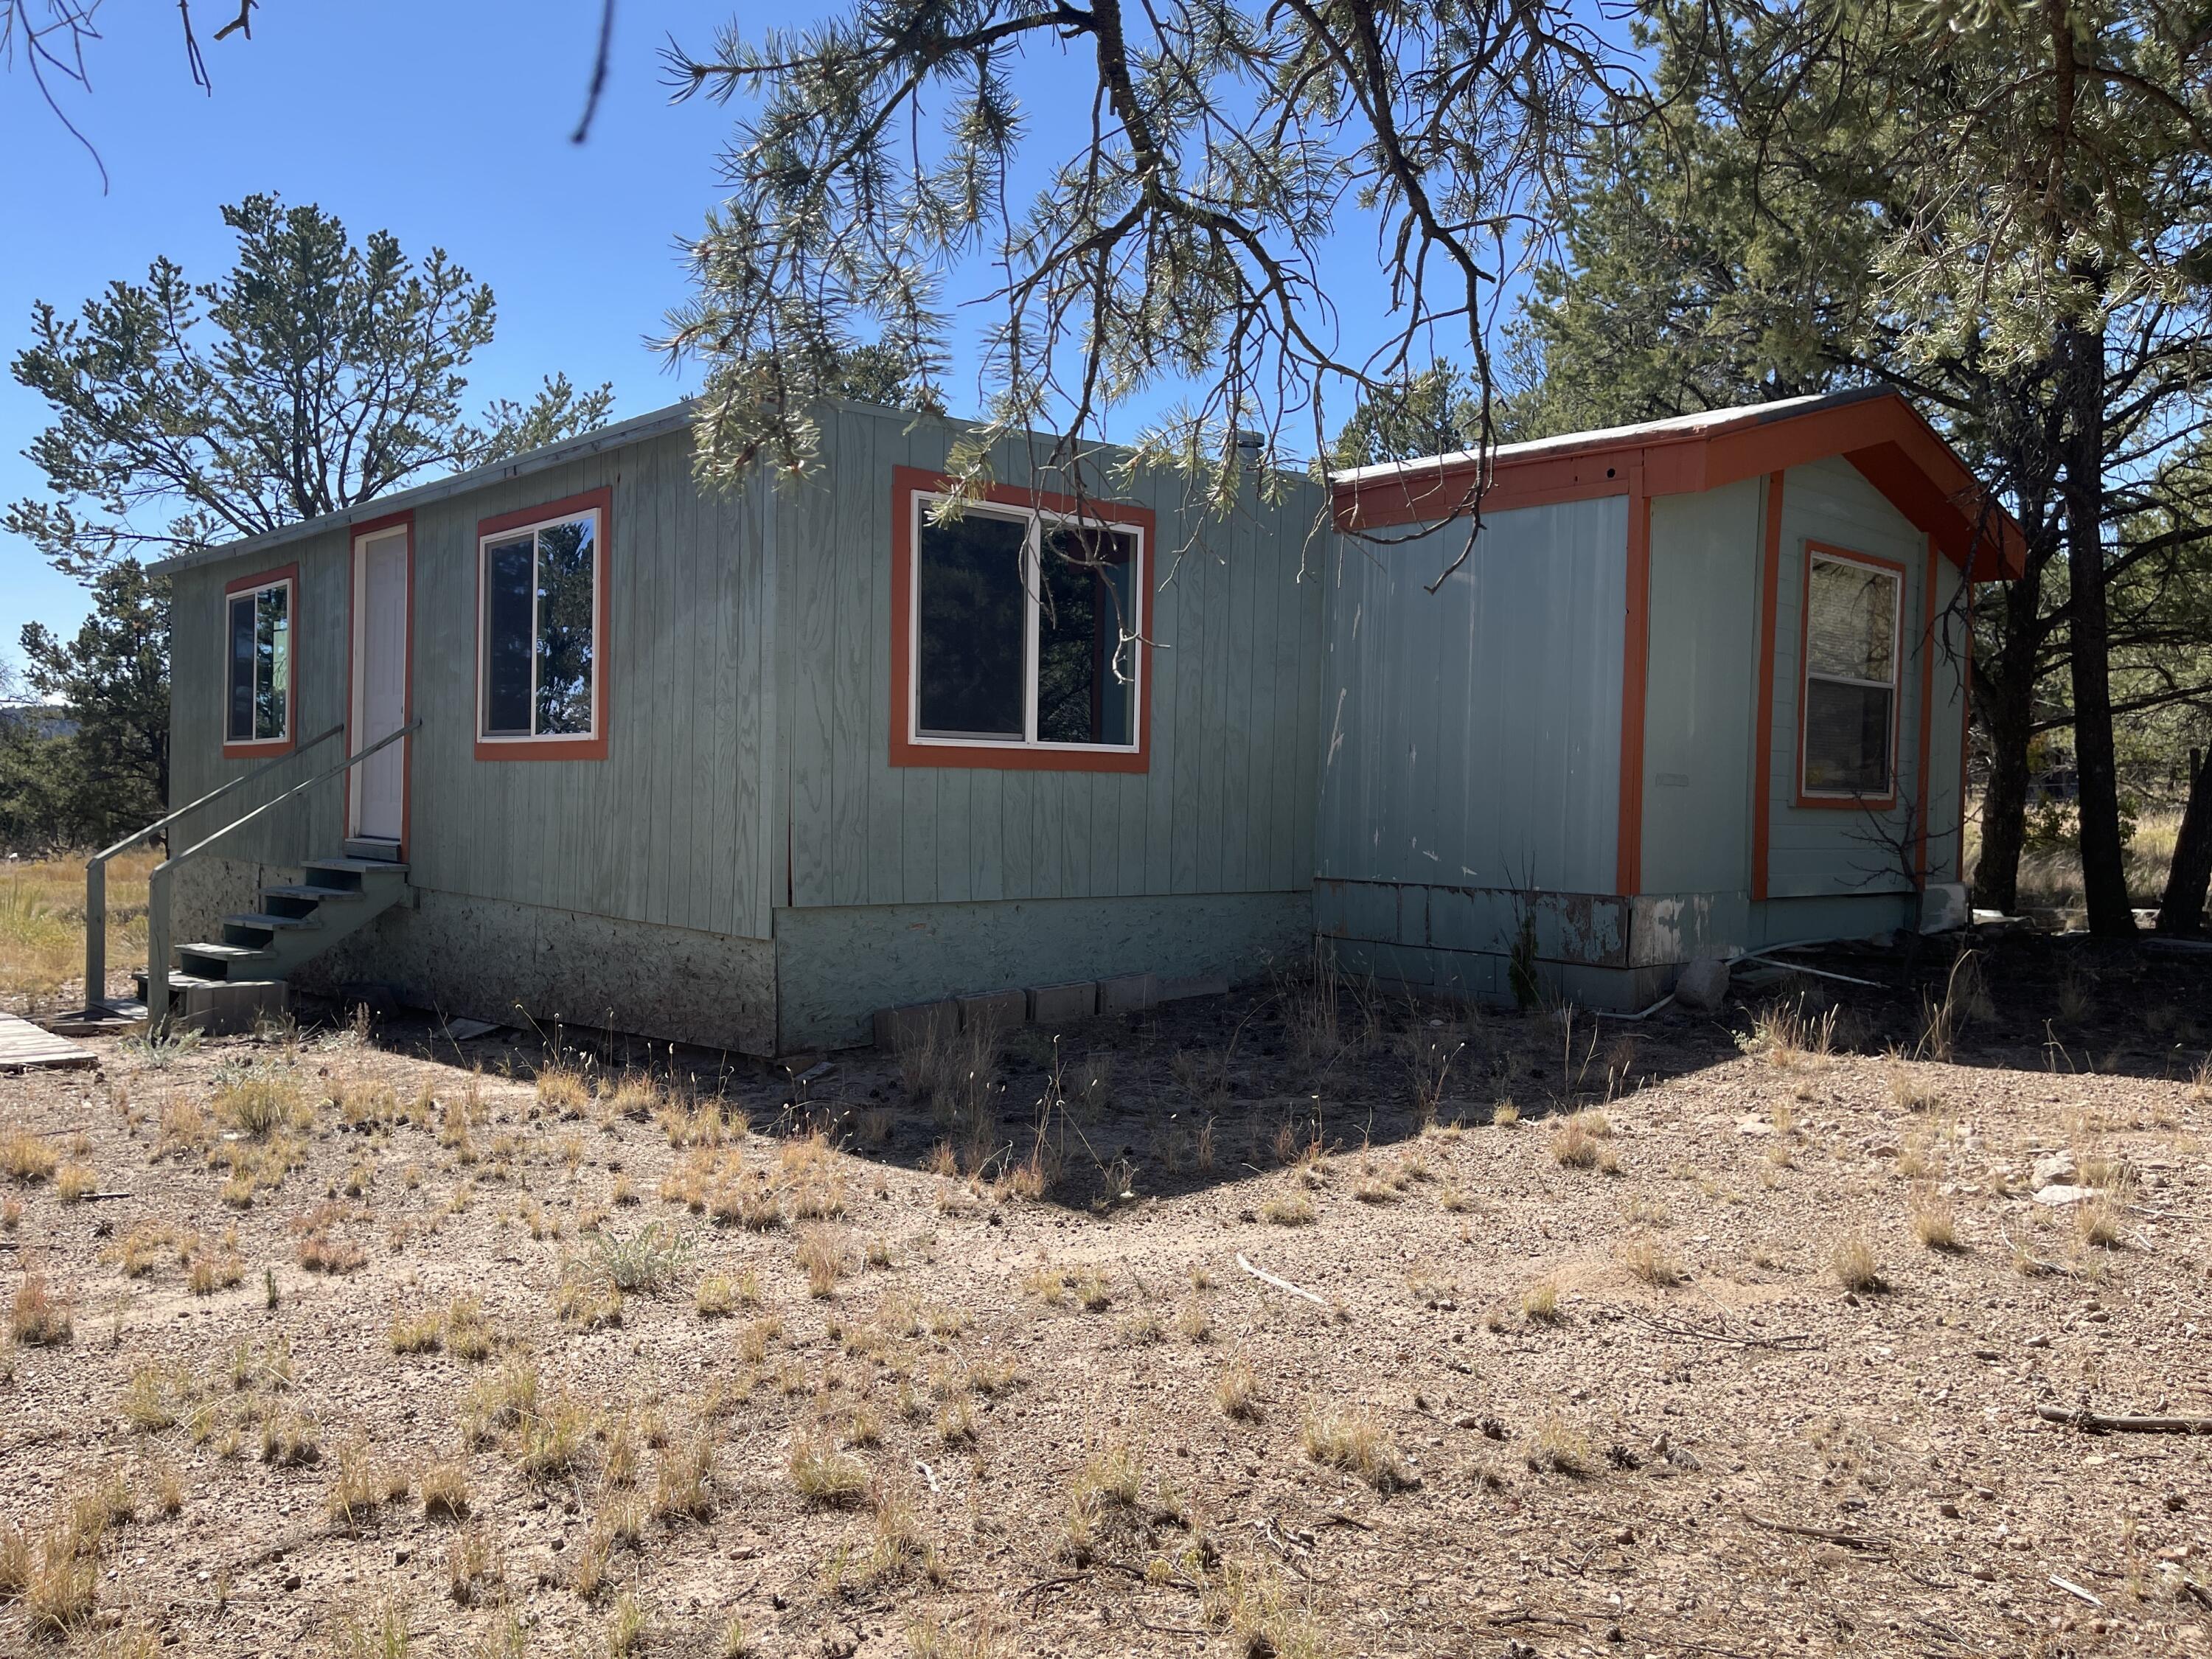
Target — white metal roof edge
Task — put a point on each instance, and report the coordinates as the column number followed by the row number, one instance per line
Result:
column 1667, row 426
column 636, row 429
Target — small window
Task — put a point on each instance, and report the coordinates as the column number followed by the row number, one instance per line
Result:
column 257, row 701
column 541, row 628
column 1850, row 676
column 1025, row 631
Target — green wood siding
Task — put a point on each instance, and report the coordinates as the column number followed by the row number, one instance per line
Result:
column 670, row 829
column 1226, row 805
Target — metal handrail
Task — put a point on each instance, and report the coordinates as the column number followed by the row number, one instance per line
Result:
column 157, row 883
column 95, row 867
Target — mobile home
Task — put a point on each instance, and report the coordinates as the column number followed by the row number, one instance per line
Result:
column 747, row 771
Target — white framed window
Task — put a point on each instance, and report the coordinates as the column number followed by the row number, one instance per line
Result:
column 1853, row 617
column 258, row 668
column 1024, row 631
column 541, row 627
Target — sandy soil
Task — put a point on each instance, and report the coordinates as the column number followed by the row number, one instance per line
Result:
column 1567, row 1385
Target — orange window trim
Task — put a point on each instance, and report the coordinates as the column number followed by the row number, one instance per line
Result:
column 1770, row 599
column 1635, row 670
column 592, row 748
column 1847, row 803
column 1926, row 782
column 1966, row 724
column 907, row 483
column 265, row 748
column 362, row 533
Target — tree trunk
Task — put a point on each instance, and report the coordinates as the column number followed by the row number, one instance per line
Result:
column 2007, row 708
column 2182, row 909
column 2104, row 871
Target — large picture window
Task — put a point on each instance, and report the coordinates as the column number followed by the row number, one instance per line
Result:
column 1022, row 636
column 257, row 680
column 541, row 630
column 1851, row 629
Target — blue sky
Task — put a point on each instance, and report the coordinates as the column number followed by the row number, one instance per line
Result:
column 445, row 123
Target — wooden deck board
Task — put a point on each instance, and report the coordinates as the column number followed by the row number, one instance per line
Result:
column 24, row 1047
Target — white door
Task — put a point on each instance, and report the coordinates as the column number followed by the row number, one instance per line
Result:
column 379, row 656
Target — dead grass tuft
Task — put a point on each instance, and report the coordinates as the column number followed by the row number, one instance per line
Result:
column 40, row 1318
column 824, row 1475
column 1353, row 1439
column 1933, row 1218
column 25, row 1157
column 1852, row 1261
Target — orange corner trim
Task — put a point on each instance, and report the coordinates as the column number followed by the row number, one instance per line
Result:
column 1635, row 672
column 1769, row 598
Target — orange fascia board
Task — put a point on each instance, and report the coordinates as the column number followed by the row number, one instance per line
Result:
column 1878, row 431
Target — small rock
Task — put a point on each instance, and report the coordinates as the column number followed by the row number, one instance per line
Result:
column 1703, row 986
column 1948, row 1510
column 2062, row 1195
column 291, row 1581
column 2053, row 1168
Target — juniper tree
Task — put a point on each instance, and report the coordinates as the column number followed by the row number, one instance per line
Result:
column 317, row 374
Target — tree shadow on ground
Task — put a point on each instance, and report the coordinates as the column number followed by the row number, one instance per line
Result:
column 1213, row 1092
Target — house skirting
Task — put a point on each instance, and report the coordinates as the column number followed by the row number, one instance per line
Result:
column 522, row 964
column 837, row 965
column 1598, row 950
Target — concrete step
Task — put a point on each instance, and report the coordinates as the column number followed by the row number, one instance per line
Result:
column 230, row 963
column 312, row 895
column 268, row 923
column 357, row 866
column 379, row 851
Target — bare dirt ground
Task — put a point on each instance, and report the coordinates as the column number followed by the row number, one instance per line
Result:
column 354, row 1340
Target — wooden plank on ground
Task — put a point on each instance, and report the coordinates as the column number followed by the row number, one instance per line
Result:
column 24, row 1047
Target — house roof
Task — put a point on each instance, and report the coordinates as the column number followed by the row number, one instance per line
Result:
column 1875, row 428
column 636, row 429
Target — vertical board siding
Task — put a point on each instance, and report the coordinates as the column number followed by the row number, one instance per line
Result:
column 1227, row 803
column 1471, row 737
column 1815, row 852
column 1701, row 694
column 668, row 830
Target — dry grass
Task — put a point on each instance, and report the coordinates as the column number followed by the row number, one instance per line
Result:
column 42, row 925
column 1933, row 1218
column 1561, row 1448
column 1237, row 1391
column 1852, row 1261
column 1583, row 1140
column 821, row 1256
column 1540, row 1302
column 25, row 1157
column 1648, row 1260
column 1353, row 1439
column 822, row 1474
column 1292, row 1209
column 39, row 1317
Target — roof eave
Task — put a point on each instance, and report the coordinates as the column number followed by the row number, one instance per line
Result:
column 637, row 429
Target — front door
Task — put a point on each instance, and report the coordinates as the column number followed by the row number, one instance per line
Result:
column 379, row 683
